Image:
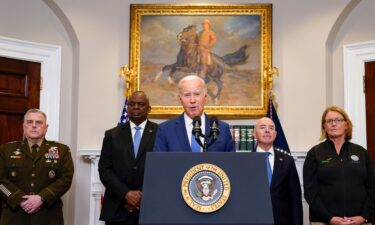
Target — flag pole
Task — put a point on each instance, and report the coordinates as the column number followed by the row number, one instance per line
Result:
column 280, row 143
column 126, row 72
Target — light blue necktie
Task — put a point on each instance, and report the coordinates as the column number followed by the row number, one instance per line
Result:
column 269, row 170
column 195, row 147
column 137, row 139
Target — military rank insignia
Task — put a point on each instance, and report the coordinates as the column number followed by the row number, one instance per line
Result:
column 53, row 153
column 51, row 174
column 17, row 154
column 205, row 188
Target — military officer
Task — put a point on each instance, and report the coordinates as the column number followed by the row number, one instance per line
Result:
column 34, row 174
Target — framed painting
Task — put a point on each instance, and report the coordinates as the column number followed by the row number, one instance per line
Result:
column 227, row 45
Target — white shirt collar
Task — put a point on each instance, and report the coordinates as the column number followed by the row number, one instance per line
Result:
column 142, row 125
column 271, row 150
column 189, row 121
column 189, row 125
column 271, row 157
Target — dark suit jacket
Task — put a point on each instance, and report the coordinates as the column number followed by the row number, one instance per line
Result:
column 286, row 191
column 120, row 171
column 172, row 137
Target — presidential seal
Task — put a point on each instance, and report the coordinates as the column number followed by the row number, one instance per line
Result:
column 205, row 188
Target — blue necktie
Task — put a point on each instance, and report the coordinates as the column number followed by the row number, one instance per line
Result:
column 195, row 147
column 137, row 139
column 269, row 170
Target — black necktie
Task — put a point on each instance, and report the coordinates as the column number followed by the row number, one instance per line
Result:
column 34, row 150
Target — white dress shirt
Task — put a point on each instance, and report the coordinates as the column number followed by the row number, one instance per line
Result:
column 142, row 126
column 189, row 126
column 271, row 157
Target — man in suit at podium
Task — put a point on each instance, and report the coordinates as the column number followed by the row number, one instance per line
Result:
column 282, row 176
column 175, row 135
column 122, row 161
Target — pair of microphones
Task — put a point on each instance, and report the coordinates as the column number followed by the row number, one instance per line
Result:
column 197, row 131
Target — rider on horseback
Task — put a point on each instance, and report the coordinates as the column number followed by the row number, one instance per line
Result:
column 207, row 40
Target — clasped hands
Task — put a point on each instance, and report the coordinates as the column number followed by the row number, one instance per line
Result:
column 133, row 200
column 31, row 203
column 355, row 220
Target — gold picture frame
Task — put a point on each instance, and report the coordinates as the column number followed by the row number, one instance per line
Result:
column 235, row 70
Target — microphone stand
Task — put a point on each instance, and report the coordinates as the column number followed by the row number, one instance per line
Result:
column 205, row 144
column 212, row 136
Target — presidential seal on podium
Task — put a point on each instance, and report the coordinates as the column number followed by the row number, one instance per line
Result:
column 205, row 188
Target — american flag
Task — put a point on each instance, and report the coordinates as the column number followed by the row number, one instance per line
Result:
column 280, row 142
column 124, row 115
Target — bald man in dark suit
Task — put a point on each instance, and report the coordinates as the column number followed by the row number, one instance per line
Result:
column 121, row 164
column 285, row 187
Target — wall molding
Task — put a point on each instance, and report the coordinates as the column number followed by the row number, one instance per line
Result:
column 49, row 56
column 96, row 187
column 355, row 56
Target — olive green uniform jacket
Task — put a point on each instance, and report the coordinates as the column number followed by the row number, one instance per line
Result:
column 49, row 175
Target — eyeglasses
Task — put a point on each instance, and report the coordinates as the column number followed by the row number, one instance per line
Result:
column 337, row 120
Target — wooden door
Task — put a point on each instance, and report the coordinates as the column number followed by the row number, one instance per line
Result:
column 370, row 109
column 19, row 91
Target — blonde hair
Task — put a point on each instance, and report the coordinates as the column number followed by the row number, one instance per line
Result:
column 349, row 130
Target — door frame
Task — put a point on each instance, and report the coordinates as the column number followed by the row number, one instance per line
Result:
column 355, row 57
column 49, row 56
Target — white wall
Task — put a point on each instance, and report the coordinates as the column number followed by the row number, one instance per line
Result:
column 359, row 27
column 34, row 21
column 94, row 36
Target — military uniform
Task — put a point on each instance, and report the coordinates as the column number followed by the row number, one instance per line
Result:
column 49, row 175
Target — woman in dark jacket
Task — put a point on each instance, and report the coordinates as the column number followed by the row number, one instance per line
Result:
column 339, row 177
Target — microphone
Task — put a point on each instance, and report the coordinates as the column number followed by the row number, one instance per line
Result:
column 197, row 131
column 214, row 127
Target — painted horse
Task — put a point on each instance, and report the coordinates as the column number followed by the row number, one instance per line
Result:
column 188, row 61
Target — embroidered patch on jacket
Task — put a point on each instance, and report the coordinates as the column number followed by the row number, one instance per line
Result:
column 355, row 159
column 326, row 161
column 5, row 190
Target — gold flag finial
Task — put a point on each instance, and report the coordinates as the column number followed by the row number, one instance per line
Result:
column 269, row 72
column 126, row 72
